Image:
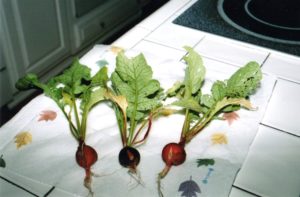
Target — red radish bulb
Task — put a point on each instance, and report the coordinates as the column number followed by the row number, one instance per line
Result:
column 86, row 156
column 173, row 154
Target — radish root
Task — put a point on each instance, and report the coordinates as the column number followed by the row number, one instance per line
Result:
column 136, row 175
column 162, row 175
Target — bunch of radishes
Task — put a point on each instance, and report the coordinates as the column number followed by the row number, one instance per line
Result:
column 138, row 99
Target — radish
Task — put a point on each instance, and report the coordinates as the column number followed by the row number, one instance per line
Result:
column 137, row 101
column 75, row 86
column 200, row 109
column 129, row 157
column 173, row 154
column 86, row 156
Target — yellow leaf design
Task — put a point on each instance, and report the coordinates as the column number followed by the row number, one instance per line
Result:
column 116, row 49
column 23, row 138
column 219, row 138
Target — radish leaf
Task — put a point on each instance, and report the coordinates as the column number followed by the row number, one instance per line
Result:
column 74, row 85
column 243, row 82
column 194, row 73
column 226, row 96
column 189, row 103
column 136, row 94
column 133, row 79
column 100, row 78
column 73, row 78
column 218, row 90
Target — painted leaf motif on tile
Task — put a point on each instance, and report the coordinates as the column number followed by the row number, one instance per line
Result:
column 189, row 188
column 23, row 138
column 205, row 162
column 230, row 117
column 116, row 49
column 102, row 63
column 219, row 138
column 47, row 115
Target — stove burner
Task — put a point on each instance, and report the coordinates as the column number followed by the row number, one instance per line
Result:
column 277, row 21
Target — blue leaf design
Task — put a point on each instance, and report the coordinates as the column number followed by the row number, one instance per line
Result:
column 189, row 188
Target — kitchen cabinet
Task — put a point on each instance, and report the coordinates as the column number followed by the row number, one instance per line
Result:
column 35, row 38
column 43, row 37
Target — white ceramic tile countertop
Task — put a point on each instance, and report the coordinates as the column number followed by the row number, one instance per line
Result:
column 272, row 167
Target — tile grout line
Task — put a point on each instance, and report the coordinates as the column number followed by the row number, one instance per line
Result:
column 289, row 80
column 164, row 45
column 280, row 130
column 264, row 61
column 152, row 30
column 247, row 191
column 52, row 188
column 244, row 190
column 268, row 102
column 279, row 77
column 19, row 186
column 168, row 17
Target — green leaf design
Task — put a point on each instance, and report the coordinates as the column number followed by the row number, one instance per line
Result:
column 132, row 78
column 205, row 162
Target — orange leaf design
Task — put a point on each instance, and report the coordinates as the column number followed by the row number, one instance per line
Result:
column 47, row 115
column 219, row 138
column 22, row 139
column 231, row 117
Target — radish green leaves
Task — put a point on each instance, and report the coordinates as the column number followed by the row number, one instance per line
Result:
column 132, row 79
column 190, row 88
column 226, row 96
column 74, row 85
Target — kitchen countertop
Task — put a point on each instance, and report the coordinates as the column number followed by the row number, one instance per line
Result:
column 272, row 165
